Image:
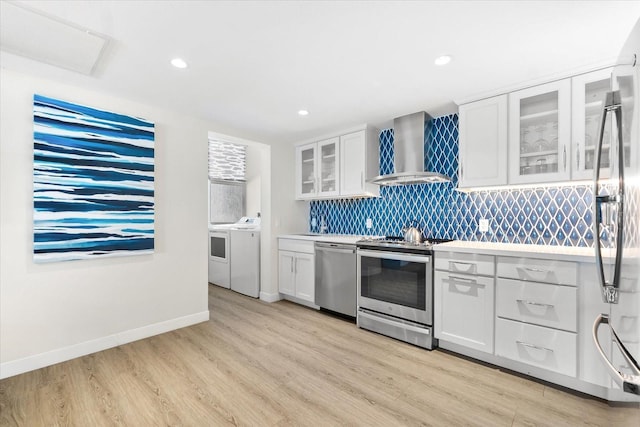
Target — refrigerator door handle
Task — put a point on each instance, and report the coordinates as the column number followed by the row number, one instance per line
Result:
column 609, row 290
column 628, row 383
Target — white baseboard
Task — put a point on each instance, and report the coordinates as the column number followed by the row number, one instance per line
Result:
column 37, row 361
column 269, row 297
column 300, row 301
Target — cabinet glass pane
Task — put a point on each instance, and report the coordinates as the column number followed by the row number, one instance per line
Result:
column 328, row 159
column 539, row 148
column 308, row 170
column 594, row 94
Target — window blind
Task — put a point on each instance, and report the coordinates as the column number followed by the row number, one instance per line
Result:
column 227, row 161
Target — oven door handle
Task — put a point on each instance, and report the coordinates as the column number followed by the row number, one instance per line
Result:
column 395, row 322
column 393, row 256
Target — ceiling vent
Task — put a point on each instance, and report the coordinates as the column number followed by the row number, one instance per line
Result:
column 34, row 35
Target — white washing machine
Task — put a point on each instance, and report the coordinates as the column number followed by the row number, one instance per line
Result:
column 234, row 256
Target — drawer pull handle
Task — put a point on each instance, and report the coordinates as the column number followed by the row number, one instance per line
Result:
column 539, row 304
column 537, row 347
column 471, row 268
column 535, row 270
column 465, row 281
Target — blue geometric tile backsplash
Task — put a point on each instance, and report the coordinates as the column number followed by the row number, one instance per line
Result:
column 545, row 216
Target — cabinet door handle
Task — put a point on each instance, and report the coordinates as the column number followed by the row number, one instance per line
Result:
column 362, row 180
column 292, row 264
column 295, row 266
column 539, row 304
column 578, row 158
column 537, row 347
column 564, row 157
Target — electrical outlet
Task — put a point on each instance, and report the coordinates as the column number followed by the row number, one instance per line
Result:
column 483, row 225
column 369, row 223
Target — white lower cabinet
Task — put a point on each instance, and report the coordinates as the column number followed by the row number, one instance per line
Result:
column 538, row 303
column 463, row 303
column 546, row 348
column 286, row 276
column 296, row 269
column 540, row 318
column 537, row 313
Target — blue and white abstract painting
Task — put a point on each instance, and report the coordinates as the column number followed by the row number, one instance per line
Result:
column 93, row 182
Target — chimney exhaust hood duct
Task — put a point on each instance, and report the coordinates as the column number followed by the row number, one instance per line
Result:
column 409, row 153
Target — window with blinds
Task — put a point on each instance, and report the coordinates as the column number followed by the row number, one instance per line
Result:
column 227, row 161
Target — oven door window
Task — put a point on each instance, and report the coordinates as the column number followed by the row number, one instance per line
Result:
column 393, row 281
column 218, row 247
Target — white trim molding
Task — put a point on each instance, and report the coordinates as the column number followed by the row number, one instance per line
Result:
column 31, row 363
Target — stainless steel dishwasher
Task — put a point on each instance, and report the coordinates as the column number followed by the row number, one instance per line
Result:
column 336, row 277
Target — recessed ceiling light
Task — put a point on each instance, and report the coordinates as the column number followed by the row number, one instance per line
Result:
column 303, row 113
column 442, row 60
column 178, row 63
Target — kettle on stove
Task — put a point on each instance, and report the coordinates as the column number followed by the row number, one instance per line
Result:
column 411, row 233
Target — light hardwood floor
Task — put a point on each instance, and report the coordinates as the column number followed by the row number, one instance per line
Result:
column 282, row 364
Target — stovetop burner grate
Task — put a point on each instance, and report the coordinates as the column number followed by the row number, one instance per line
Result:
column 398, row 243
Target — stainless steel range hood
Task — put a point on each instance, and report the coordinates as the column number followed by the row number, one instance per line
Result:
column 409, row 153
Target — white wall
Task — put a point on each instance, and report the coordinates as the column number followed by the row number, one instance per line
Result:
column 287, row 215
column 254, row 179
column 54, row 312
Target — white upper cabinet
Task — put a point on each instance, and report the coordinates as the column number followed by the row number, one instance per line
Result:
column 339, row 166
column 306, row 171
column 483, row 143
column 539, row 133
column 359, row 163
column 317, row 169
column 587, row 101
column 329, row 169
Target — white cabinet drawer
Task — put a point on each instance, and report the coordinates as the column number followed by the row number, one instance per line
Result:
column 463, row 310
column 537, row 303
column 483, row 265
column 546, row 348
column 538, row 270
column 295, row 245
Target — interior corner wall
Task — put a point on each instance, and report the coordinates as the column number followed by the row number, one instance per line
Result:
column 57, row 311
column 253, row 180
column 287, row 215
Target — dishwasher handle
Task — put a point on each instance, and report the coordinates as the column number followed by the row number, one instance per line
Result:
column 335, row 247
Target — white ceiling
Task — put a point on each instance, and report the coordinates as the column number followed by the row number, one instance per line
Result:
column 253, row 65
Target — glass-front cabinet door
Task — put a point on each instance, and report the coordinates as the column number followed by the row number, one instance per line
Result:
column 318, row 169
column 588, row 93
column 539, row 133
column 306, row 171
column 329, row 167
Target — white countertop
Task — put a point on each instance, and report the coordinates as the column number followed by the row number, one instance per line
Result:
column 348, row 239
column 566, row 253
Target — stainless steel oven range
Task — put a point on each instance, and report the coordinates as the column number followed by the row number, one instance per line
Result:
column 395, row 289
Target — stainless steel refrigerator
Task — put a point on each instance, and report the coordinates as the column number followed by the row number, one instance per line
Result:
column 616, row 222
